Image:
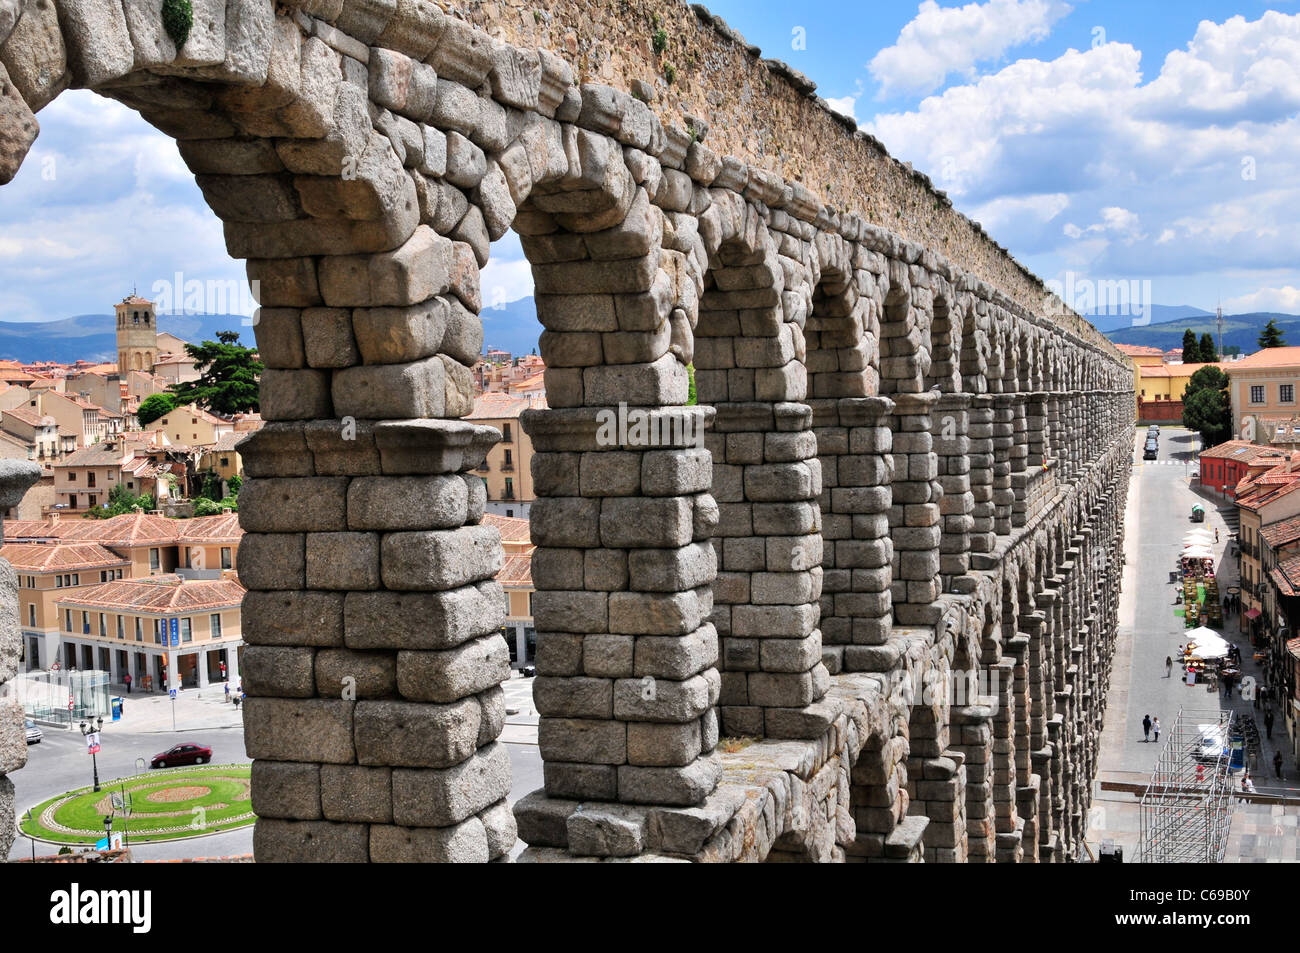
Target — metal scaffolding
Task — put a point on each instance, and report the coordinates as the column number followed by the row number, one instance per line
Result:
column 1186, row 810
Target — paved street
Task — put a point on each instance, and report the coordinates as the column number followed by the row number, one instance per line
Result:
column 1158, row 516
column 60, row 763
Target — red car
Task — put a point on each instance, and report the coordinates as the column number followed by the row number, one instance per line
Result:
column 182, row 754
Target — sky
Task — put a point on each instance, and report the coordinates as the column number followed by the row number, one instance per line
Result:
column 1098, row 140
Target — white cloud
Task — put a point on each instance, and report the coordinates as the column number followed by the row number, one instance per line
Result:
column 507, row 276
column 1285, row 299
column 941, row 41
column 844, row 105
column 1192, row 171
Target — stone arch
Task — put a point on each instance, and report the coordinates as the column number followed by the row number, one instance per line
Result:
column 749, row 368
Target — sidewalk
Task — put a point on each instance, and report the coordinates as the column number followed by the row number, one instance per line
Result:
column 196, row 709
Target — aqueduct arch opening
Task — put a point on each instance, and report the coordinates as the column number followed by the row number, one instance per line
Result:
column 873, row 476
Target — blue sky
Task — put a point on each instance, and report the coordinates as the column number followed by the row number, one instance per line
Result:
column 1139, row 141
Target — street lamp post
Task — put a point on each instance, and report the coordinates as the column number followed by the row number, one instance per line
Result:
column 89, row 730
column 108, row 830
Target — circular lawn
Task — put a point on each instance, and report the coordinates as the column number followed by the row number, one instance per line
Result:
column 164, row 805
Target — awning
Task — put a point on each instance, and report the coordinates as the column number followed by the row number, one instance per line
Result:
column 1252, row 613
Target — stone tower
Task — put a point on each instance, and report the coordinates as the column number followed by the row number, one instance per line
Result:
column 137, row 334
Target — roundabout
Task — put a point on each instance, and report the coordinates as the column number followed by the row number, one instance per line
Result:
column 161, row 805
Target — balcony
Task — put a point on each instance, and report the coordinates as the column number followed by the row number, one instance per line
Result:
column 507, row 467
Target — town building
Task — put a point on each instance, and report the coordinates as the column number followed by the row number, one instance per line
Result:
column 101, row 593
column 1158, row 383
column 1262, row 391
column 137, row 334
column 507, row 470
column 516, row 578
column 1263, row 500
column 192, row 426
column 1224, row 466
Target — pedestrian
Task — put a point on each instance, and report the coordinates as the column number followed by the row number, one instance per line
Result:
column 1146, row 727
column 1169, row 666
column 1216, row 534
column 223, row 671
column 227, row 691
column 1247, row 785
column 1268, row 724
column 127, row 678
column 1277, row 763
column 1155, row 727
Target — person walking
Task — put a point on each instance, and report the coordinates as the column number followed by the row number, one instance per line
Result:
column 1169, row 666
column 1277, row 763
column 227, row 692
column 1268, row 724
column 127, row 679
column 1146, row 727
column 1155, row 727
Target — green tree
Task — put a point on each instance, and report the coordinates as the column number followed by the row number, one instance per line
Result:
column 155, row 406
column 1271, row 336
column 120, row 501
column 1206, row 408
column 1191, row 350
column 1208, row 353
column 228, row 384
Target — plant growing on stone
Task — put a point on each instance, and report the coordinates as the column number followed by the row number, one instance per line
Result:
column 177, row 19
column 670, row 73
column 660, row 40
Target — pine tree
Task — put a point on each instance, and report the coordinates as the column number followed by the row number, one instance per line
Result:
column 1191, row 350
column 1271, row 336
column 1208, row 354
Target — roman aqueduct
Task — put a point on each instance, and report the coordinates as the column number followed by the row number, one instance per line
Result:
column 869, row 617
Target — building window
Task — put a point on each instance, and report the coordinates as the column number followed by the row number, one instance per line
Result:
column 85, row 622
column 1257, row 393
column 159, row 631
column 1286, row 393
column 31, row 615
column 103, row 627
column 76, row 578
column 214, row 622
column 153, row 559
column 139, row 632
column 121, row 630
column 67, row 619
column 72, row 476
column 187, row 633
column 505, row 433
column 510, row 489
column 90, row 478
column 58, row 582
column 225, row 557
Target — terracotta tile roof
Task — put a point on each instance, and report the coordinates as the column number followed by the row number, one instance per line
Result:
column 226, row 442
column 512, row 529
column 1281, row 533
column 27, row 416
column 135, row 299
column 34, row 529
column 1139, row 350
column 223, row 528
column 1254, row 496
column 1287, row 577
column 162, row 594
column 1243, row 451
column 516, row 571
column 1269, row 357
column 129, row 529
column 47, row 557
column 102, row 454
column 1173, row 370
column 498, row 406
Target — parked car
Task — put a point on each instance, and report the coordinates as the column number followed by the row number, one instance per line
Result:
column 34, row 733
column 182, row 754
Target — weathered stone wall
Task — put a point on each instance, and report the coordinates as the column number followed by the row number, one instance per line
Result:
column 869, row 615
column 16, row 477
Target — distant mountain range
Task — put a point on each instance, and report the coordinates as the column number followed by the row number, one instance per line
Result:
column 1239, row 330
column 514, row 327
column 1158, row 314
column 92, row 337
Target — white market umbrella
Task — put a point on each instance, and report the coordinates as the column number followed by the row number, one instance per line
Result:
column 1203, row 535
column 1210, row 651
column 1198, row 552
column 1203, row 632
